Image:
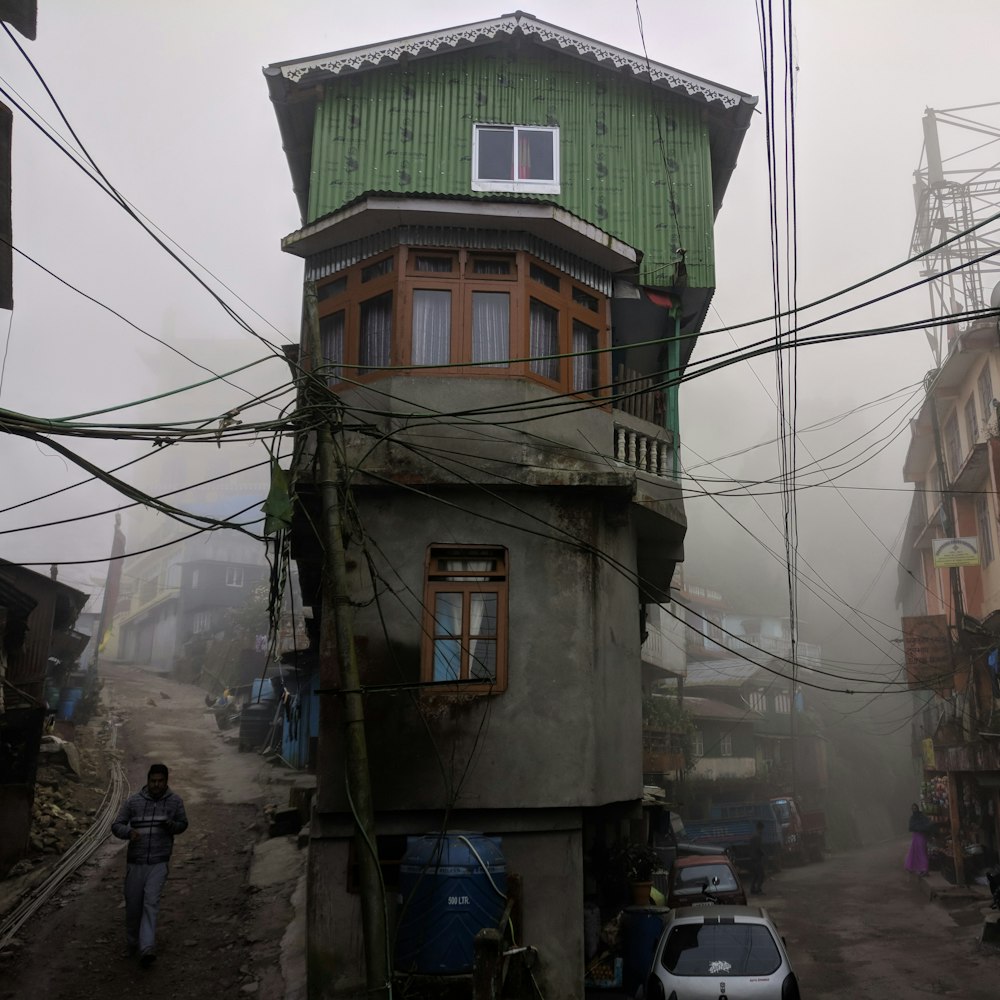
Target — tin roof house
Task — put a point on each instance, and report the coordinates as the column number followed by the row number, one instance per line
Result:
column 509, row 230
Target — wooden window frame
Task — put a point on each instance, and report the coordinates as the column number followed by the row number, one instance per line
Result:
column 433, row 585
column 404, row 279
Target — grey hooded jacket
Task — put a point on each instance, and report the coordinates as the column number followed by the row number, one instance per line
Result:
column 157, row 820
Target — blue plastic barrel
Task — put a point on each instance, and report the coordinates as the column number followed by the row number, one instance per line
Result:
column 641, row 929
column 451, row 886
column 67, row 704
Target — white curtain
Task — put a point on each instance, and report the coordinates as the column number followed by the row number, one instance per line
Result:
column 585, row 365
column 544, row 340
column 376, row 332
column 431, row 331
column 482, row 636
column 331, row 332
column 491, row 328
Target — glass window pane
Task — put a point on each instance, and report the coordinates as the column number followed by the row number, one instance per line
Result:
column 483, row 659
column 483, row 614
column 581, row 298
column 376, row 333
column 376, row 270
column 544, row 340
column 331, row 335
column 447, row 614
column 491, row 328
column 434, row 265
column 496, row 154
column 447, row 659
column 543, row 277
column 483, row 266
column 585, row 366
column 534, row 155
column 431, row 327
column 331, row 289
column 727, row 950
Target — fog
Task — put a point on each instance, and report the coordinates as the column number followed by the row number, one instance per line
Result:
column 171, row 104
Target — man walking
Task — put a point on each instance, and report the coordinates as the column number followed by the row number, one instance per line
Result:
column 757, row 860
column 149, row 820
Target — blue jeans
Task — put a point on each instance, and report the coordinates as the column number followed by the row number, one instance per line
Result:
column 143, row 885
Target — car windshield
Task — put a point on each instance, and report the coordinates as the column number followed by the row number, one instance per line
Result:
column 728, row 949
column 696, row 878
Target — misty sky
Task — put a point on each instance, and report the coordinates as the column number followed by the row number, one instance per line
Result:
column 171, row 103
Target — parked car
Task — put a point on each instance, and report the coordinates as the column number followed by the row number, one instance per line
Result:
column 704, row 881
column 726, row 951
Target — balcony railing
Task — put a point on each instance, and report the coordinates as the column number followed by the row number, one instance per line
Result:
column 643, row 451
column 639, row 395
column 809, row 654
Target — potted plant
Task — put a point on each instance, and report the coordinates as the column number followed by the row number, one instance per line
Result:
column 637, row 863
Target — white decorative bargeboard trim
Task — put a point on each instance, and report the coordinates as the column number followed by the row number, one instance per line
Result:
column 355, row 60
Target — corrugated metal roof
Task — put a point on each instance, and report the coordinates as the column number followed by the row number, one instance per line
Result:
column 415, row 47
column 709, row 708
column 729, row 672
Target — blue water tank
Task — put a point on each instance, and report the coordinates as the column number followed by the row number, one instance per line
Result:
column 641, row 929
column 451, row 886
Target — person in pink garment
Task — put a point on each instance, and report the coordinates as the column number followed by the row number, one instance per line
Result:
column 920, row 826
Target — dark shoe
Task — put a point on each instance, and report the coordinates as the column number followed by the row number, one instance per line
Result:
column 147, row 958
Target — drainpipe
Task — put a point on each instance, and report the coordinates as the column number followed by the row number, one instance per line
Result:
column 673, row 411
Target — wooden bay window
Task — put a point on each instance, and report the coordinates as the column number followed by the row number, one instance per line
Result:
column 464, row 312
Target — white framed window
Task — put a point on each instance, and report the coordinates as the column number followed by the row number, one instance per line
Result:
column 726, row 745
column 515, row 158
column 782, row 703
column 234, row 576
column 758, row 700
column 202, row 622
column 698, row 743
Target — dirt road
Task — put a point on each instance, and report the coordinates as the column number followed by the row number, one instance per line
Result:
column 227, row 903
column 858, row 926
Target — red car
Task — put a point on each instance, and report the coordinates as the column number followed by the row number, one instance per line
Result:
column 704, row 881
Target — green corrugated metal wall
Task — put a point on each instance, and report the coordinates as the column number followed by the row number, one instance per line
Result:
column 408, row 129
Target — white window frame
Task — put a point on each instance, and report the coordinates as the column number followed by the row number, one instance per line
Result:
column 234, row 576
column 202, row 622
column 726, row 745
column 698, row 743
column 532, row 185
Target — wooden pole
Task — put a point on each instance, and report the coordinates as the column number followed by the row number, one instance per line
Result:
column 337, row 641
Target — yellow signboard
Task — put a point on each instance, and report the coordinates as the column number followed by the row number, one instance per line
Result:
column 927, row 749
column 950, row 552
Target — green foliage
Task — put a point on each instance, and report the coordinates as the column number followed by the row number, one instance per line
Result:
column 251, row 618
column 635, row 862
column 664, row 712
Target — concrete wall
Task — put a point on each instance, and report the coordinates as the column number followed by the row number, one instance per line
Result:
column 548, row 859
column 567, row 731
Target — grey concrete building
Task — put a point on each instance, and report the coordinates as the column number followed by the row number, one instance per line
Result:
column 491, row 217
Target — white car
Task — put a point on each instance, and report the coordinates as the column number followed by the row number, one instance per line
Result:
column 726, row 951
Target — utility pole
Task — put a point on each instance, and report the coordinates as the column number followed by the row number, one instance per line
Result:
column 337, row 649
